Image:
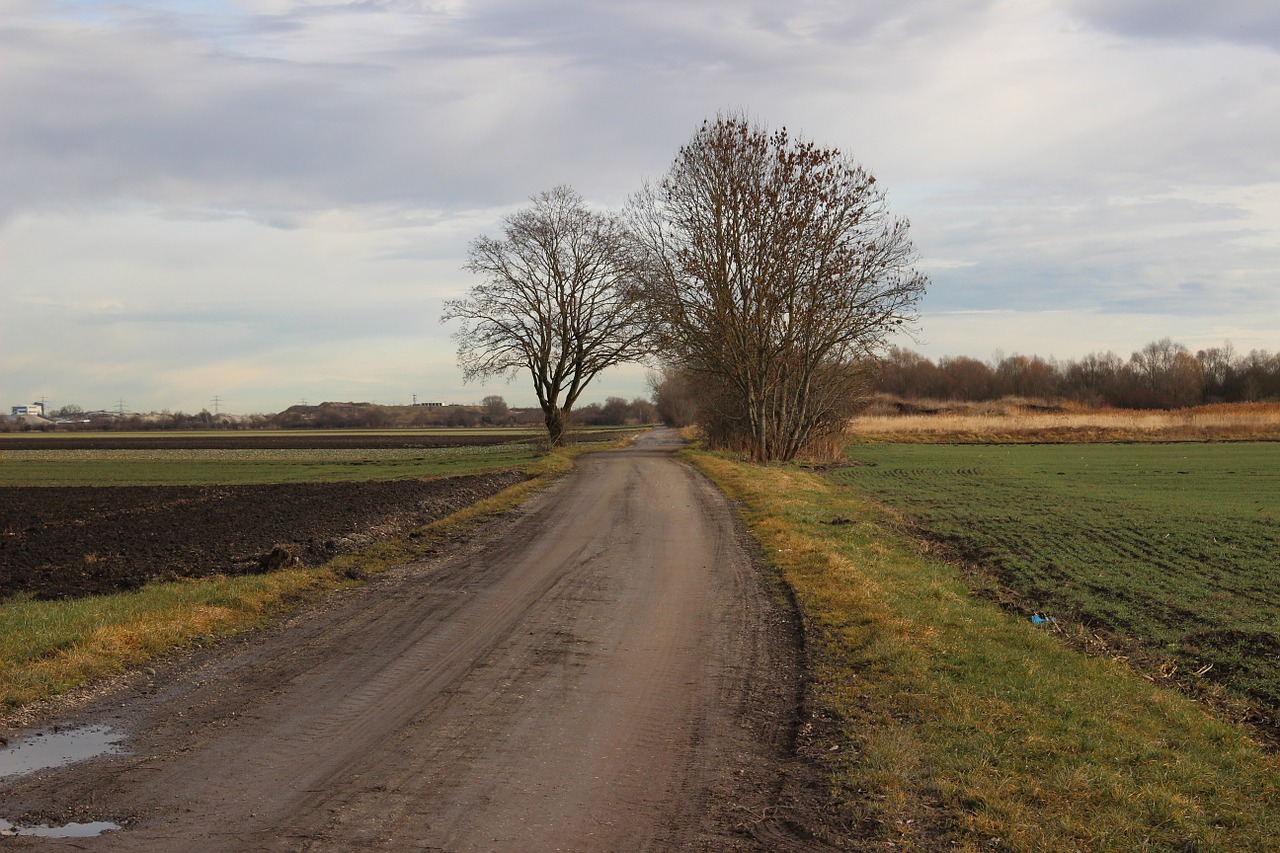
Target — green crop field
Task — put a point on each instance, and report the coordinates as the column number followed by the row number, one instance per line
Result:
column 1174, row 546
column 268, row 456
column 184, row 467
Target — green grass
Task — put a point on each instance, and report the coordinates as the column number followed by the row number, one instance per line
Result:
column 180, row 467
column 957, row 725
column 1174, row 546
column 178, row 437
column 176, row 465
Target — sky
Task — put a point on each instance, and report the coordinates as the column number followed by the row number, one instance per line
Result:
column 245, row 204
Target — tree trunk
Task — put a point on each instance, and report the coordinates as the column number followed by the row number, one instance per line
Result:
column 555, row 421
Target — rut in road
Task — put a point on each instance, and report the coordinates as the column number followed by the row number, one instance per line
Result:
column 601, row 670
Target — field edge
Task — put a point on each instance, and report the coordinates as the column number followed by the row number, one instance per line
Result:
column 954, row 723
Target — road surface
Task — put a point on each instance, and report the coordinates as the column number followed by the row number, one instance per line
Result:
column 602, row 670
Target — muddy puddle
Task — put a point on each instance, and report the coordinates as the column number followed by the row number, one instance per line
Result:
column 40, row 750
column 70, row 830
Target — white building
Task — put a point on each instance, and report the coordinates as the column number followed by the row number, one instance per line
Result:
column 36, row 409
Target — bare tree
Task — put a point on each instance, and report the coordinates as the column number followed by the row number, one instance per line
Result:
column 558, row 300
column 1025, row 376
column 1169, row 372
column 969, row 378
column 910, row 375
column 775, row 271
column 496, row 410
column 1219, row 371
column 674, row 396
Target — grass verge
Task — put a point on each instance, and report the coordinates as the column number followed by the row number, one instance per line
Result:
column 958, row 725
column 50, row 647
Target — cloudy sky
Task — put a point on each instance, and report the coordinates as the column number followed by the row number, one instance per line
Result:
column 266, row 201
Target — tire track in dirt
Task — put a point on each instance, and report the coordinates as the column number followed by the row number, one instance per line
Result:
column 601, row 670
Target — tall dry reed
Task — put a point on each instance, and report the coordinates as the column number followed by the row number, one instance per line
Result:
column 1021, row 420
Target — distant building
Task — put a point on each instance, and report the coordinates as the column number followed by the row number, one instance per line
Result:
column 36, row 409
column 428, row 405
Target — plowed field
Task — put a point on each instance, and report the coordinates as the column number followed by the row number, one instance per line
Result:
column 64, row 542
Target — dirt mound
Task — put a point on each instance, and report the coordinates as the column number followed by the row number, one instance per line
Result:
column 90, row 540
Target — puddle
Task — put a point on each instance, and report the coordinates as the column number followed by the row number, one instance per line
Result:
column 43, row 749
column 70, row 830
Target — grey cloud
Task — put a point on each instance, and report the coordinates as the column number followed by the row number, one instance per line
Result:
column 1076, row 248
column 498, row 97
column 128, row 112
column 1242, row 21
column 119, row 114
column 260, row 323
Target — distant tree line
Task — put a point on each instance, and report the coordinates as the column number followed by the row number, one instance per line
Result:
column 492, row 411
column 373, row 416
column 73, row 417
column 1161, row 375
column 617, row 412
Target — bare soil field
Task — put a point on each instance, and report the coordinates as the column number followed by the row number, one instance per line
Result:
column 65, row 542
column 604, row 669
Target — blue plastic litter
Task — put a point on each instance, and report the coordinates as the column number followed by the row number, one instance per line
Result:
column 1037, row 619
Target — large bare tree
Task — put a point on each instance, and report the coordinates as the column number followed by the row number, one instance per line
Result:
column 774, row 270
column 558, row 299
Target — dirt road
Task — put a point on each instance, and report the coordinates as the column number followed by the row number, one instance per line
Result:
column 600, row 671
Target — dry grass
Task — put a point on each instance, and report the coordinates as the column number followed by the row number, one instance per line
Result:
column 1014, row 420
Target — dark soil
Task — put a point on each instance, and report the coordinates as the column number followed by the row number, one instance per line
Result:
column 90, row 540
